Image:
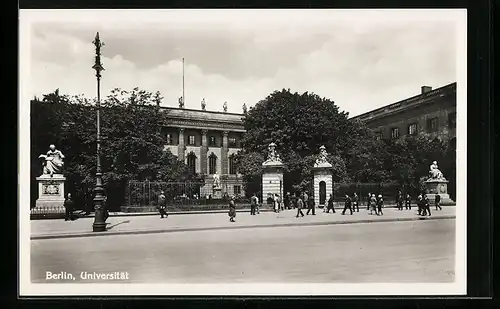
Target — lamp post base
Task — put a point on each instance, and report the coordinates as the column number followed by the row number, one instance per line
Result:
column 99, row 222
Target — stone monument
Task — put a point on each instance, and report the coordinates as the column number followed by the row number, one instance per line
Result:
column 51, row 184
column 437, row 184
column 216, row 187
column 323, row 179
column 272, row 177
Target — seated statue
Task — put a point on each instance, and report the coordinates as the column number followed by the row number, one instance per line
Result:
column 53, row 161
column 434, row 172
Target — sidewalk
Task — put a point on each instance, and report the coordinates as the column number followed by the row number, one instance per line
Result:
column 49, row 229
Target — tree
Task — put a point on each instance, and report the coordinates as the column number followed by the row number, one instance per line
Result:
column 132, row 141
column 298, row 124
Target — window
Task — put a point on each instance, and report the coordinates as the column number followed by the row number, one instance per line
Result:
column 232, row 165
column 191, row 162
column 395, row 133
column 237, row 190
column 452, row 120
column 169, row 139
column 191, row 140
column 432, row 124
column 212, row 164
column 211, row 141
column 232, row 142
column 412, row 129
column 378, row 135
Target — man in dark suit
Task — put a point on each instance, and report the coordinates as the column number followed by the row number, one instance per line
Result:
column 253, row 204
column 300, row 205
column 347, row 204
column 68, row 205
column 330, row 204
column 437, row 201
column 426, row 205
column 162, row 204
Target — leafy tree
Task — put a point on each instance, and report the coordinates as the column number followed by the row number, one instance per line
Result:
column 298, row 124
column 132, row 141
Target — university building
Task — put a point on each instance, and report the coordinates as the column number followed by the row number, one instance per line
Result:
column 206, row 141
column 431, row 112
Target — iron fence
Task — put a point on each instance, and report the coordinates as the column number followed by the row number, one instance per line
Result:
column 388, row 190
column 145, row 193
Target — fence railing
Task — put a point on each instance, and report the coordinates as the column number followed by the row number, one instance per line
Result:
column 145, row 193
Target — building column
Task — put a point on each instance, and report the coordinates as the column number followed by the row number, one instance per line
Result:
column 203, row 152
column 181, row 147
column 225, row 150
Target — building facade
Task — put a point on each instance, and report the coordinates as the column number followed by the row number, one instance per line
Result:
column 206, row 141
column 431, row 112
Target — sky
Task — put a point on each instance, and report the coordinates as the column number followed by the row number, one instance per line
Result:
column 360, row 59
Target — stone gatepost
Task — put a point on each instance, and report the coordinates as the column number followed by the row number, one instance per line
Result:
column 323, row 179
column 272, row 177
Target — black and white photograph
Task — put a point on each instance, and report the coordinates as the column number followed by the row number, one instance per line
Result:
column 252, row 152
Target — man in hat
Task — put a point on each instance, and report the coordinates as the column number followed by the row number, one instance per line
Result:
column 162, row 204
column 232, row 209
column 330, row 204
column 253, row 204
column 437, row 201
column 380, row 204
column 310, row 205
column 300, row 205
column 68, row 205
column 347, row 204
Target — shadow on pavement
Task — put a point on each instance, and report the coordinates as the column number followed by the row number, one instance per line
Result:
column 112, row 226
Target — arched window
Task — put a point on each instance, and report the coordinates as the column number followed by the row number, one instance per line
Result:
column 212, row 164
column 191, row 162
column 232, row 165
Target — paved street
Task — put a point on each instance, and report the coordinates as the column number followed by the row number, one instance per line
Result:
column 43, row 228
column 412, row 251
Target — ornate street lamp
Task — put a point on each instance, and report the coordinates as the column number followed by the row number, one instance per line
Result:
column 99, row 221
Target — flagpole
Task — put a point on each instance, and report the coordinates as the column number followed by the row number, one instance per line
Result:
column 183, row 94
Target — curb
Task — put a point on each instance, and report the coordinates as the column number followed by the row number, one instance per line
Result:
column 194, row 212
column 158, row 231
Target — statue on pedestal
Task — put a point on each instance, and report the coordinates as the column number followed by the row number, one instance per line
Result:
column 203, row 105
column 181, row 102
column 435, row 173
column 52, row 161
column 224, row 106
column 216, row 180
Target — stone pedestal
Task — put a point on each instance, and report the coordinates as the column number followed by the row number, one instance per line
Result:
column 323, row 184
column 435, row 186
column 217, row 193
column 272, row 180
column 50, row 195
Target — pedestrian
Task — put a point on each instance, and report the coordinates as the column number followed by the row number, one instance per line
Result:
column 300, row 205
column 330, row 204
column 162, row 205
column 420, row 204
column 276, row 203
column 347, row 204
column 399, row 200
column 257, row 205
column 368, row 201
column 253, row 204
column 286, row 201
column 408, row 202
column 68, row 205
column 105, row 208
column 426, row 205
column 232, row 209
column 311, row 205
column 355, row 201
column 437, row 201
column 373, row 204
column 380, row 205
